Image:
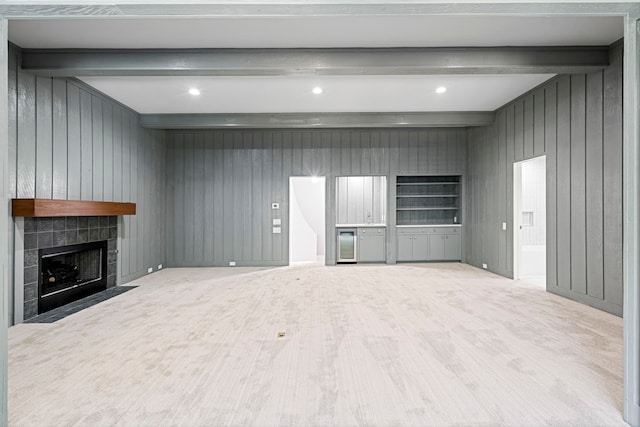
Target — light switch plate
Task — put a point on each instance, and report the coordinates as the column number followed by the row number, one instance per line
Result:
column 276, row 230
column 277, row 221
column 504, row 225
column 275, row 205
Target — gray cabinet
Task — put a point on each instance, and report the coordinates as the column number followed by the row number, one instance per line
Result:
column 371, row 244
column 413, row 247
column 428, row 244
column 444, row 247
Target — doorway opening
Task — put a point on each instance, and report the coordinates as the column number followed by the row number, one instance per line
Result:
column 530, row 221
column 306, row 219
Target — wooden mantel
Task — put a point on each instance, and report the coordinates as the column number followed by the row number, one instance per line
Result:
column 48, row 207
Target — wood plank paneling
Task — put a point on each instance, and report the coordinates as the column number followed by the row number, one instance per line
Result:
column 26, row 146
column 577, row 123
column 12, row 125
column 563, row 144
column 578, row 190
column 593, row 187
column 44, row 138
column 538, row 123
column 86, row 146
column 550, row 135
column 502, row 189
column 251, row 169
column 60, row 139
column 97, row 146
column 612, row 183
column 72, row 143
column 518, row 133
column 74, row 163
column 107, row 151
column 198, row 198
column 529, row 127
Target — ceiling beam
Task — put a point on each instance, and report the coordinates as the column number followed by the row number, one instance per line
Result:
column 246, row 8
column 317, row 120
column 287, row 62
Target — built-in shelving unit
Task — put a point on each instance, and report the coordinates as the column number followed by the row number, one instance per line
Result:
column 428, row 200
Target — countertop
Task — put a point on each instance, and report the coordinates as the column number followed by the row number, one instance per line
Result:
column 428, row 225
column 359, row 225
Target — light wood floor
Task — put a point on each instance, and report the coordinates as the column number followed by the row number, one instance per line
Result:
column 423, row 345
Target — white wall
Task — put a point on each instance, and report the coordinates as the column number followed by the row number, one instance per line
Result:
column 534, row 200
column 533, row 237
column 306, row 222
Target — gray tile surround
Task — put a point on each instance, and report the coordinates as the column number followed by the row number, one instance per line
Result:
column 40, row 233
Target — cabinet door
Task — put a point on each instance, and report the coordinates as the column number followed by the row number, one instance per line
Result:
column 371, row 248
column 436, row 247
column 452, row 247
column 405, row 247
column 420, row 247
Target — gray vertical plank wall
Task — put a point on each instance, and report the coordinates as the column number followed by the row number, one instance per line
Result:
column 68, row 141
column 576, row 121
column 241, row 173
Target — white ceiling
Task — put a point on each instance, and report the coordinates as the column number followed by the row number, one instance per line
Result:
column 293, row 93
column 316, row 32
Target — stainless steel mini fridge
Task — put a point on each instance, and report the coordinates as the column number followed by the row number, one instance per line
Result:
column 347, row 245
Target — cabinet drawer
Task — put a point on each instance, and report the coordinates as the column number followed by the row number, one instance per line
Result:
column 444, row 230
column 371, row 231
column 413, row 230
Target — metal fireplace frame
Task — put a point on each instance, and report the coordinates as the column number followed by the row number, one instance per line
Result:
column 78, row 291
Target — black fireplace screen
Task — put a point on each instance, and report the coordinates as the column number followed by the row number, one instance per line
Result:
column 71, row 272
column 69, row 269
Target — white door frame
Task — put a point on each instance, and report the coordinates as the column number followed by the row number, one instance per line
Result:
column 517, row 213
column 322, row 180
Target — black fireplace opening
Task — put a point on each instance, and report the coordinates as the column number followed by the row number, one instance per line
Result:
column 69, row 273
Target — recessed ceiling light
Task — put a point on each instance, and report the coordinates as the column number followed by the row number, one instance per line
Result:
column 441, row 89
column 193, row 91
column 317, row 90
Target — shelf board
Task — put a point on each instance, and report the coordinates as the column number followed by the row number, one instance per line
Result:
column 49, row 207
column 425, row 196
column 426, row 183
column 427, row 209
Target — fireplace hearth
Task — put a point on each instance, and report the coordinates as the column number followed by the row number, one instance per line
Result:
column 69, row 273
column 54, row 234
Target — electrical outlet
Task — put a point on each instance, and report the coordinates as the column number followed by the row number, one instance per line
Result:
column 232, row 263
column 150, row 270
column 504, row 225
column 484, row 266
column 159, row 266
